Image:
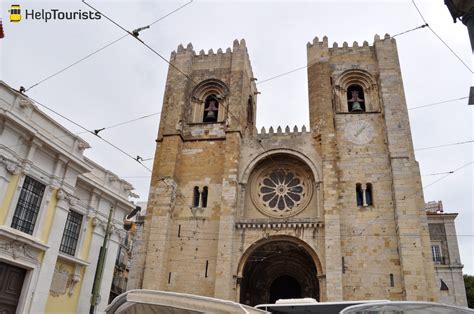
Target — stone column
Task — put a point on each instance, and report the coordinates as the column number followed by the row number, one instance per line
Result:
column 46, row 272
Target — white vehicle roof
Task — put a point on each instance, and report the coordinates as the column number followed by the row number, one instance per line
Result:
column 401, row 307
column 154, row 301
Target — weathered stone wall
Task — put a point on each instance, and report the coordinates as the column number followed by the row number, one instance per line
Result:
column 391, row 236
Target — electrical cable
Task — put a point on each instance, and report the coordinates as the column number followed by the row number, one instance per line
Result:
column 448, row 174
column 102, row 48
column 96, row 131
column 410, row 30
column 85, row 129
column 444, row 145
column 437, row 174
column 439, row 37
column 438, row 103
column 340, row 54
column 141, row 41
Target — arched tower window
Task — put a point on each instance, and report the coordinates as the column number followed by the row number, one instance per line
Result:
column 355, row 98
column 208, row 102
column 211, row 109
column 196, row 195
column 356, row 91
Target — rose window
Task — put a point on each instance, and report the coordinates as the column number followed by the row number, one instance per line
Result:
column 281, row 190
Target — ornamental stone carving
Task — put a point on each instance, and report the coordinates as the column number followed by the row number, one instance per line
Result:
column 19, row 250
column 11, row 166
column 281, row 189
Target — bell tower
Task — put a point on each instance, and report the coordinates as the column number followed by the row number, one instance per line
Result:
column 377, row 240
column 208, row 106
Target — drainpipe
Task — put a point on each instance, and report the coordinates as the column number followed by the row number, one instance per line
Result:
column 95, row 298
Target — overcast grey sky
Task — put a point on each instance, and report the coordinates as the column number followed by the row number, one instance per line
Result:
column 126, row 80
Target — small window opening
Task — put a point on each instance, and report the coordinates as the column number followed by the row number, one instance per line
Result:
column 444, row 286
column 204, row 197
column 355, row 99
column 436, row 253
column 169, row 277
column 179, row 231
column 196, row 197
column 392, row 281
column 211, row 109
column 250, row 112
column 207, row 267
column 368, row 195
column 359, row 195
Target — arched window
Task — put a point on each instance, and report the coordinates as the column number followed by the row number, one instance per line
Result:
column 369, row 201
column 211, row 109
column 356, row 91
column 196, row 195
column 204, row 197
column 359, row 195
column 208, row 102
column 355, row 98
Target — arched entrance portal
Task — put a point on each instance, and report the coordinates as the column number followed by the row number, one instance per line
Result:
column 278, row 269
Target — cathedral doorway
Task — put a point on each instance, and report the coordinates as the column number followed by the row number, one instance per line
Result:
column 278, row 269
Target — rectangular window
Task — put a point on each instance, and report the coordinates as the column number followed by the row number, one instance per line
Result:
column 71, row 233
column 26, row 212
column 436, row 251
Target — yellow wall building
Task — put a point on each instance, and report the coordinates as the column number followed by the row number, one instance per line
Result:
column 54, row 204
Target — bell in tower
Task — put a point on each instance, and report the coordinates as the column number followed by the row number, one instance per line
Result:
column 356, row 102
column 211, row 109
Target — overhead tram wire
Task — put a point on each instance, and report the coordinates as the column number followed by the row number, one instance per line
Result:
column 340, row 54
column 448, row 174
column 102, row 48
column 438, row 103
column 445, row 145
column 439, row 37
column 96, row 131
column 85, row 129
column 102, row 129
column 411, row 30
column 141, row 41
column 164, row 59
column 422, row 189
column 437, row 174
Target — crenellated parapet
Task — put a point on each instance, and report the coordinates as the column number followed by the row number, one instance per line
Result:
column 319, row 50
column 189, row 50
column 263, row 133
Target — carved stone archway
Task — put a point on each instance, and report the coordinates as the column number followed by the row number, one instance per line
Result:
column 278, row 268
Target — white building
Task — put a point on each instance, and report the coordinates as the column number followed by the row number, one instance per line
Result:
column 445, row 253
column 54, row 205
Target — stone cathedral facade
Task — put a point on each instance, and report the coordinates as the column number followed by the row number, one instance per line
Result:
column 334, row 212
